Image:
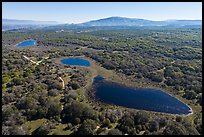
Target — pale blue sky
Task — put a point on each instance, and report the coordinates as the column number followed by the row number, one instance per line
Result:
column 77, row 12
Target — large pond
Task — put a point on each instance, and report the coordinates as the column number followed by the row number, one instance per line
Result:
column 76, row 62
column 26, row 43
column 138, row 98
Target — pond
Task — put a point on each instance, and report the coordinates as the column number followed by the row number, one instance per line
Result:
column 138, row 98
column 26, row 43
column 76, row 62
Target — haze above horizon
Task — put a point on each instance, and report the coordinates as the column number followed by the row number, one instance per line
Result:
column 78, row 12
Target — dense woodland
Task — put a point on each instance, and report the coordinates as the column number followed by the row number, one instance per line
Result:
column 34, row 102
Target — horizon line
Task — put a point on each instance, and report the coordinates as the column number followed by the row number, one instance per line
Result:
column 59, row 22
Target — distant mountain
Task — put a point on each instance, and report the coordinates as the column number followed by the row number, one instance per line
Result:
column 106, row 23
column 27, row 22
column 117, row 21
column 8, row 24
column 121, row 21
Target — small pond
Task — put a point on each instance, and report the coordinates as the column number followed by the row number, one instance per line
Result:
column 76, row 62
column 138, row 98
column 26, row 43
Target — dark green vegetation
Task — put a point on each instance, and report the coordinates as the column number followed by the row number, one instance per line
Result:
column 34, row 102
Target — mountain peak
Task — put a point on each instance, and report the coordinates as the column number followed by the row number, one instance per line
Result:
column 123, row 21
column 117, row 21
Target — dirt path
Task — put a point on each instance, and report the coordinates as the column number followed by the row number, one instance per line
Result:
column 62, row 82
column 37, row 63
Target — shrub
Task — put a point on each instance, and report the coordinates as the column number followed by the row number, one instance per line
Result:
column 114, row 132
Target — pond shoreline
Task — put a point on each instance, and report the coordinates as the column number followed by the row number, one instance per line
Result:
column 94, row 69
column 122, row 88
column 35, row 44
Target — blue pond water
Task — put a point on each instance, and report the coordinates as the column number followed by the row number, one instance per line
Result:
column 144, row 99
column 76, row 62
column 27, row 43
